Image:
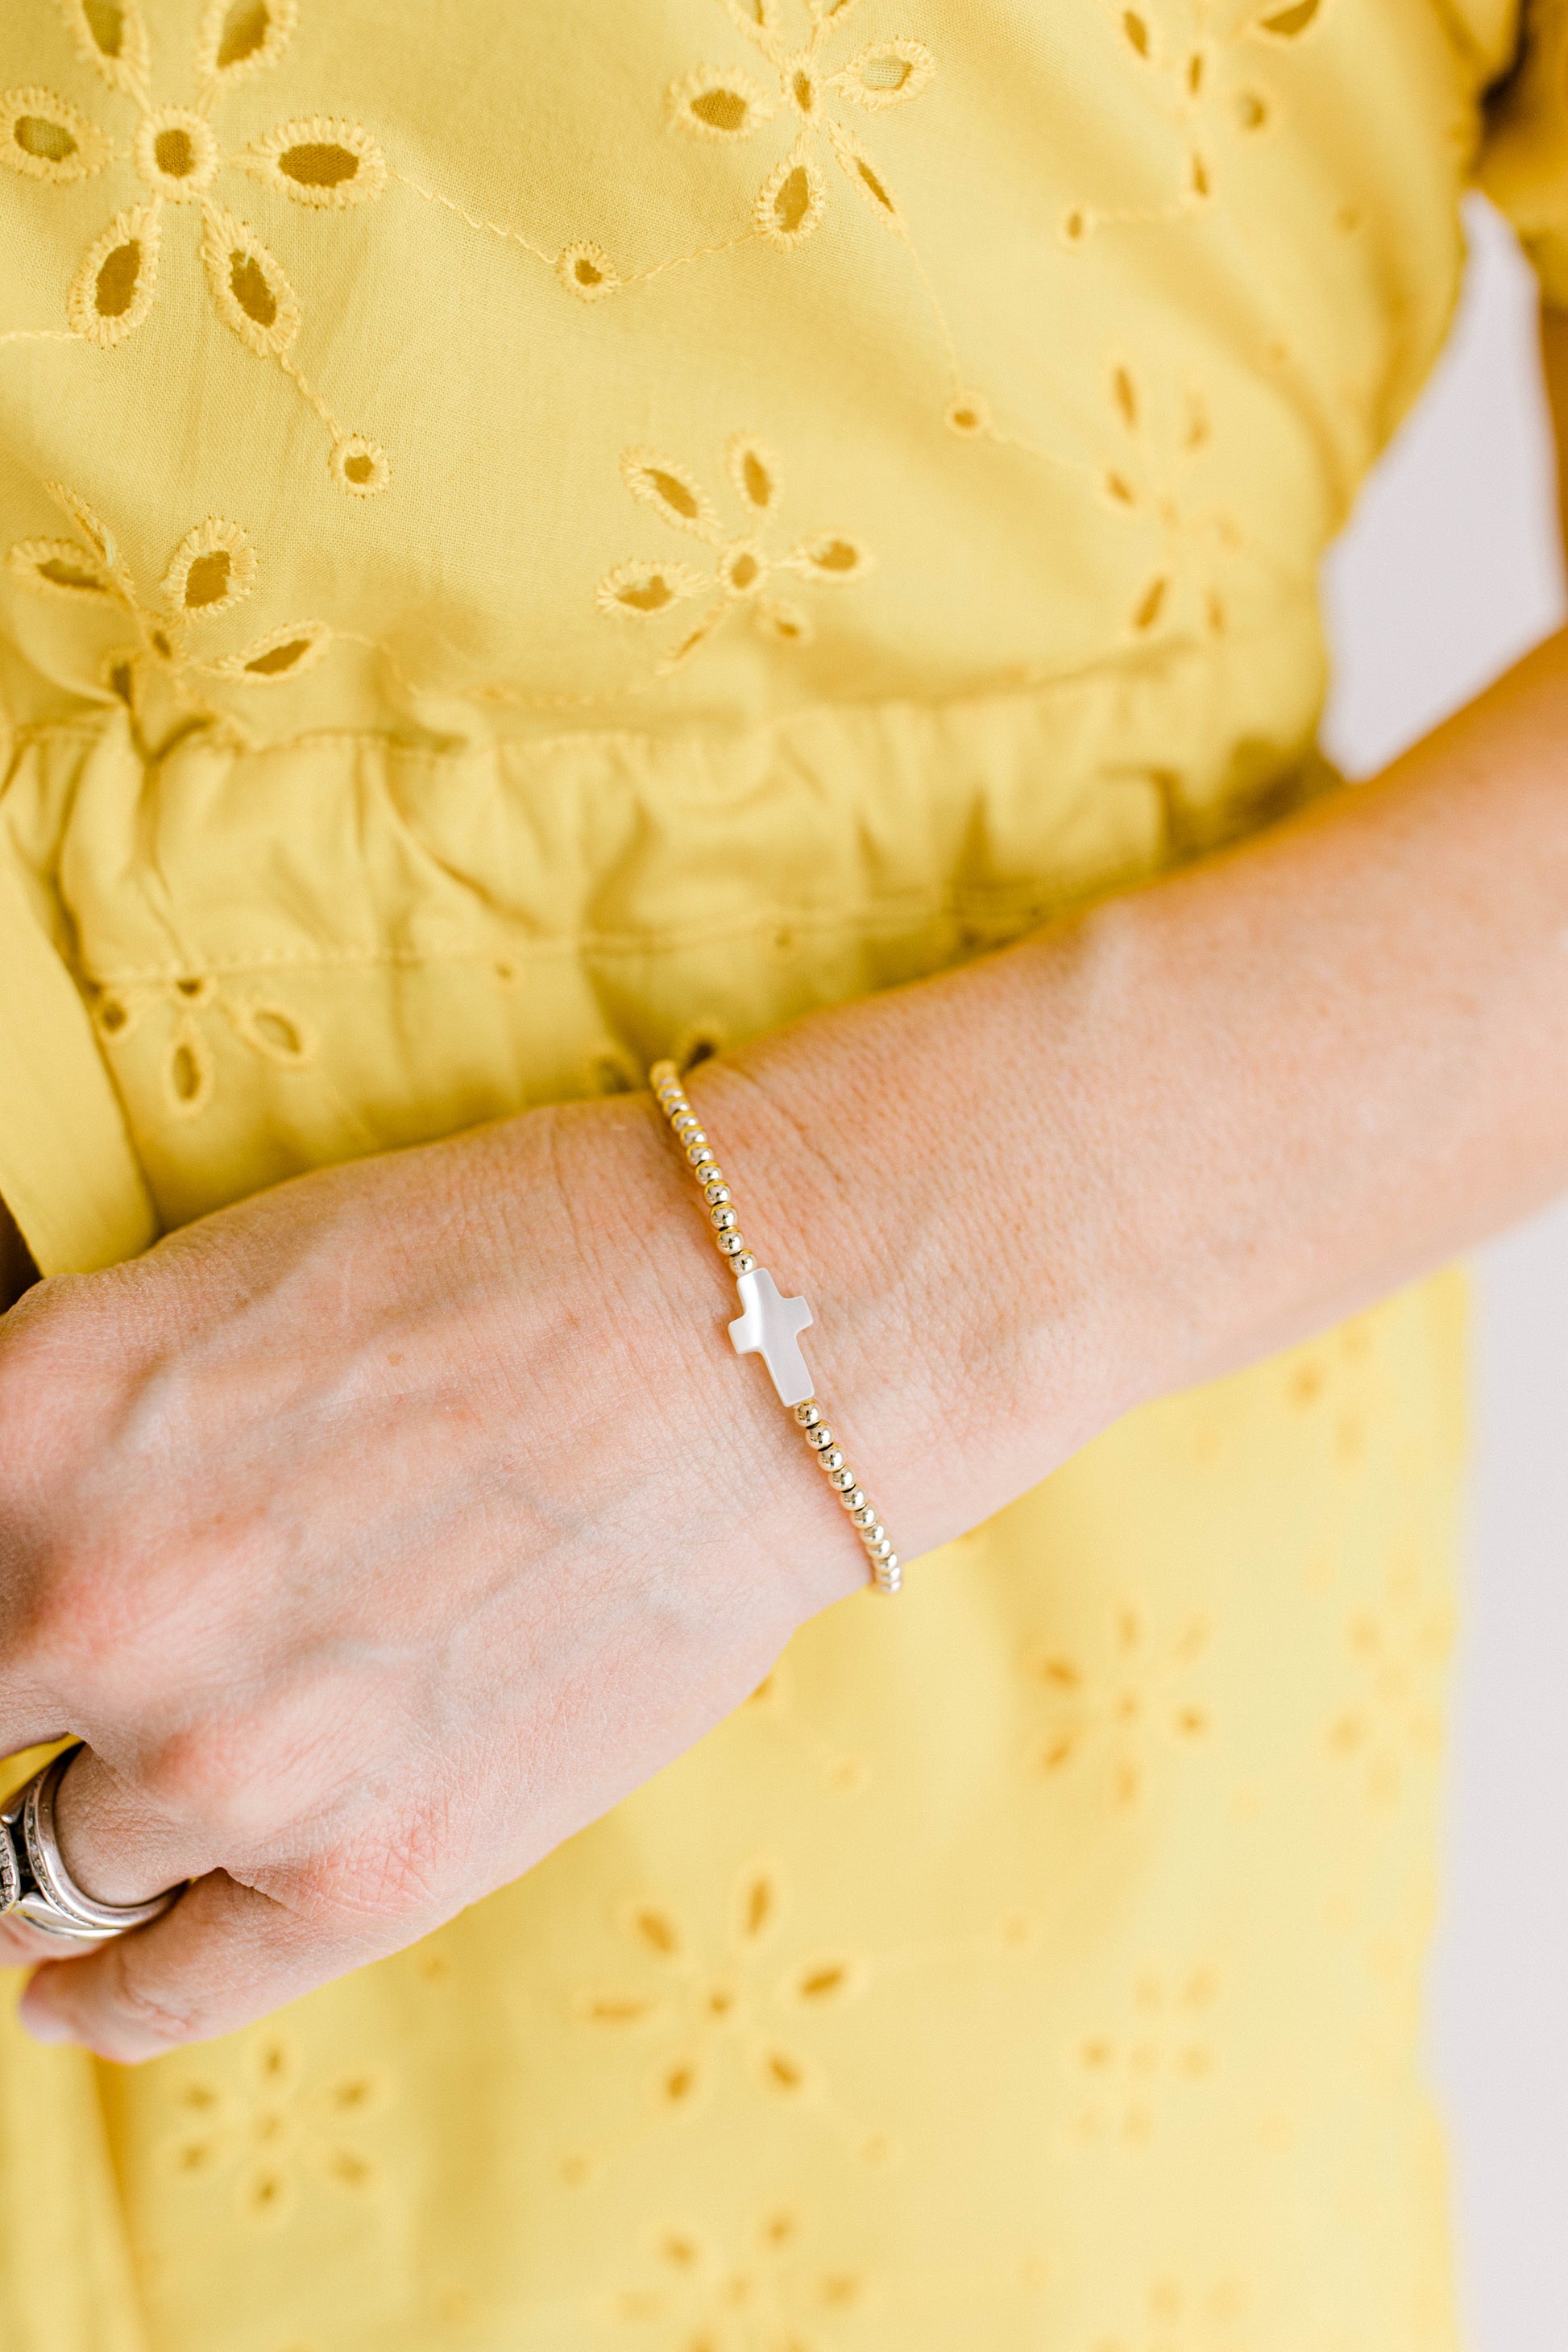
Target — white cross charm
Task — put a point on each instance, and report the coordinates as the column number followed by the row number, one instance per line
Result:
column 770, row 1328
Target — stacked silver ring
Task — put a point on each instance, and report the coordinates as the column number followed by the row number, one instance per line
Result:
column 34, row 1883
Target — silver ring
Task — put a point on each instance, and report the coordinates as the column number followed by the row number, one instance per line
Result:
column 34, row 1883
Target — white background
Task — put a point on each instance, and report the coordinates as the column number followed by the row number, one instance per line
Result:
column 1450, row 570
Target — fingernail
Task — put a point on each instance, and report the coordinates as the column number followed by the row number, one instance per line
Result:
column 42, row 2023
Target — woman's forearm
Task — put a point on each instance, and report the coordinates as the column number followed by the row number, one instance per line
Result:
column 1206, row 1119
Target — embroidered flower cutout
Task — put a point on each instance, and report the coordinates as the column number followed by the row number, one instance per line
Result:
column 112, row 36
column 1160, row 2049
column 1122, row 1703
column 772, row 2288
column 210, row 570
column 44, row 137
column 263, row 2127
column 1196, row 552
column 810, row 95
column 359, row 465
column 1177, row 2316
column 587, row 272
column 191, row 1004
column 1390, row 1733
column 317, row 161
column 737, row 2008
column 742, row 568
column 1206, row 86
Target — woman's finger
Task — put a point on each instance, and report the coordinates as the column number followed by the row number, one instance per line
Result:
column 117, row 1847
column 22, row 1944
column 222, row 1956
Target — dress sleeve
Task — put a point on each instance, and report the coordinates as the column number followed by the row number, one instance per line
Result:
column 1524, row 161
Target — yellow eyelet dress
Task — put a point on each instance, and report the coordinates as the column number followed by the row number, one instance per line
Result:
column 538, row 538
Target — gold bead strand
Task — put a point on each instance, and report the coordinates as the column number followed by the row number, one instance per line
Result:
column 886, row 1573
column 724, row 1220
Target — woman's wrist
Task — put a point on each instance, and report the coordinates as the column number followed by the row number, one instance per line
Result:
column 639, row 1226
column 960, row 1261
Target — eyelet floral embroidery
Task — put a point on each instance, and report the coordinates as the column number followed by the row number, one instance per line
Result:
column 1125, row 1705
column 698, row 2005
column 188, row 1064
column 1400, row 1643
column 741, row 2011
column 268, row 2130
column 1203, row 74
column 1178, row 2315
column 1197, row 549
column 737, row 577
column 719, row 103
column 210, row 570
column 1161, row 2049
column 316, row 162
column 771, row 2291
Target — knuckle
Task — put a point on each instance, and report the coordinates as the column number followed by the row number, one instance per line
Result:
column 184, row 1773
column 202, row 1774
column 75, row 1620
column 49, row 1343
column 34, row 1414
column 70, row 1349
column 55, row 1604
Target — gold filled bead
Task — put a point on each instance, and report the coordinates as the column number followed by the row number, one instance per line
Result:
column 853, row 1498
column 866, row 1517
column 833, row 1459
column 715, row 1194
column 723, row 1218
column 819, row 1435
column 809, row 1413
column 731, row 1243
column 744, row 1263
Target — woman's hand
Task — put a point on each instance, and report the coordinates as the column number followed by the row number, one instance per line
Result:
column 381, row 1531
column 376, row 1534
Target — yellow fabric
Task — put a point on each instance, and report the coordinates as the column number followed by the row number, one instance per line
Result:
column 1526, row 165
column 543, row 536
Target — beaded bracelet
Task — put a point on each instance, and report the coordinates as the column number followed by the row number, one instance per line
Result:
column 771, row 1326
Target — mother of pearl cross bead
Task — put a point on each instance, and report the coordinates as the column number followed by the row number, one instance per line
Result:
column 771, row 1327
